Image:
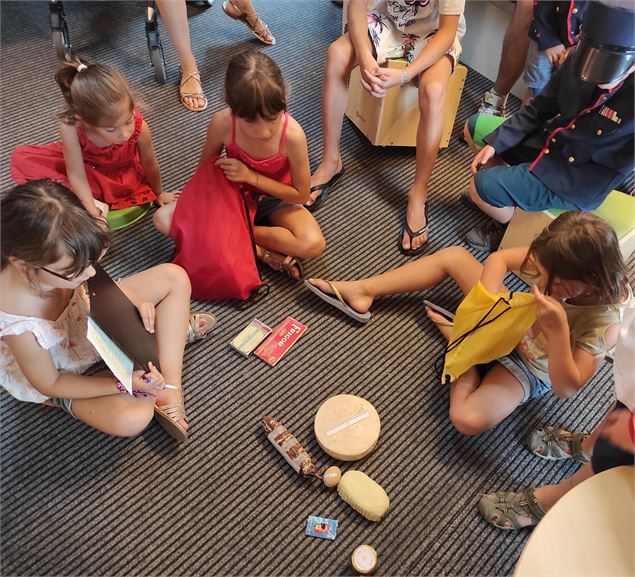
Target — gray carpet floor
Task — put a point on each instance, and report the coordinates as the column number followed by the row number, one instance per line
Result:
column 75, row 502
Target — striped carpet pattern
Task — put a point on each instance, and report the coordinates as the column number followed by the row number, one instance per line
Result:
column 75, row 502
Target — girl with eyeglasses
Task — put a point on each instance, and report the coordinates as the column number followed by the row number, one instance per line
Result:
column 49, row 244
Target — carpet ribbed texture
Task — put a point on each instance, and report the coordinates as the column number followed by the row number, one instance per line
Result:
column 75, row 502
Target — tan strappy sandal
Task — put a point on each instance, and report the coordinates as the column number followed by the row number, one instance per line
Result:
column 257, row 27
column 194, row 332
column 282, row 263
column 168, row 416
column 184, row 78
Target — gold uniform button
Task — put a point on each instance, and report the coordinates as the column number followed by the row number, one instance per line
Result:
column 574, row 11
column 553, row 140
column 599, row 132
column 573, row 127
column 546, row 151
column 571, row 159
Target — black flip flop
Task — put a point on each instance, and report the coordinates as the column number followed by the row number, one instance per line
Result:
column 413, row 234
column 325, row 188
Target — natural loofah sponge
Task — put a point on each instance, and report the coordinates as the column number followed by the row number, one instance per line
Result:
column 364, row 495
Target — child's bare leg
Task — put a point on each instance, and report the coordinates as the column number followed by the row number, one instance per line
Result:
column 119, row 415
column 503, row 214
column 433, row 84
column 548, row 495
column 453, row 262
column 293, row 232
column 340, row 60
column 476, row 407
column 167, row 286
column 162, row 218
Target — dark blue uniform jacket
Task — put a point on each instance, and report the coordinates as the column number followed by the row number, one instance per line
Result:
column 556, row 23
column 580, row 137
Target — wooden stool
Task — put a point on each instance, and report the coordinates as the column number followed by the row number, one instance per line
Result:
column 394, row 119
column 618, row 209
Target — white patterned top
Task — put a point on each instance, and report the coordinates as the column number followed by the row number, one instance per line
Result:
column 401, row 28
column 65, row 339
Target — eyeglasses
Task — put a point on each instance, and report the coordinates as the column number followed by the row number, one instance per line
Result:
column 58, row 275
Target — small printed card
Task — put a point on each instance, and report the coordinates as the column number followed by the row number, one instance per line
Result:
column 321, row 527
column 116, row 360
column 250, row 337
column 280, row 340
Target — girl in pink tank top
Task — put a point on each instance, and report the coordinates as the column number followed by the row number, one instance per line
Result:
column 266, row 153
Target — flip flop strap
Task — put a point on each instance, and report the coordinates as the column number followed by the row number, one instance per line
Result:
column 338, row 294
column 412, row 234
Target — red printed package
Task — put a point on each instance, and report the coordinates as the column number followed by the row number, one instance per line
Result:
column 280, row 340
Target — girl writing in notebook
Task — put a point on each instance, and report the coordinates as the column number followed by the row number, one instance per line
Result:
column 49, row 245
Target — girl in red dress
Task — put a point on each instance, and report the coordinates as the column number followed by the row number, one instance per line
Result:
column 266, row 153
column 106, row 155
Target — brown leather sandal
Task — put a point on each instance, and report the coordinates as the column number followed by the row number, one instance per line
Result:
column 184, row 95
column 283, row 263
column 257, row 27
column 168, row 416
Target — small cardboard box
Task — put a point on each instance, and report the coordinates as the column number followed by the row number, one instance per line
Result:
column 393, row 120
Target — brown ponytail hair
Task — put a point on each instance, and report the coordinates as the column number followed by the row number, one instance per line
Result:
column 94, row 93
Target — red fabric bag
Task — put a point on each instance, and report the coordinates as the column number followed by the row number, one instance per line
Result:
column 212, row 228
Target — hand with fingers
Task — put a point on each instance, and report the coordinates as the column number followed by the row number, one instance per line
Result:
column 550, row 313
column 369, row 70
column 148, row 312
column 482, row 158
column 554, row 54
column 150, row 382
column 168, row 197
column 384, row 79
column 235, row 171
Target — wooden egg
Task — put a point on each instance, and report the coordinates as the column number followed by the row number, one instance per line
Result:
column 332, row 476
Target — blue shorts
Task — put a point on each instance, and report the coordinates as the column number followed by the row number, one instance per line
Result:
column 538, row 69
column 513, row 362
column 502, row 186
